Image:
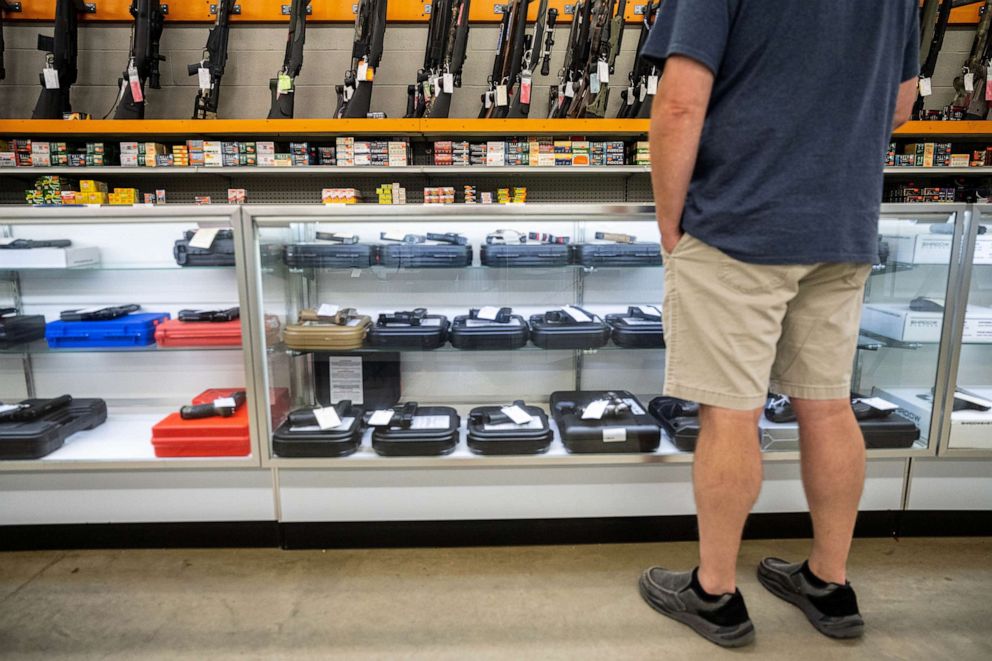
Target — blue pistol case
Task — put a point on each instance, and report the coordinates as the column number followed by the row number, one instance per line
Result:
column 132, row 330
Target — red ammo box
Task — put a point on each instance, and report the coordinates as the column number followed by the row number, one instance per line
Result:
column 206, row 437
column 175, row 333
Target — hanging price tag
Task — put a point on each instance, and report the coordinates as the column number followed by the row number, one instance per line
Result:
column 363, row 70
column 488, row 100
column 284, row 84
column 594, row 83
column 603, row 69
column 204, row 76
column 643, row 93
column 969, row 82
column 348, row 92
column 51, row 78
column 327, row 418
column 489, row 313
column 501, row 96
column 595, row 410
column 516, row 414
column 381, row 418
column 630, row 95
column 525, row 84
column 204, row 238
column 448, row 83
column 652, row 85
column 926, row 87
column 135, row 83
column 327, row 310
column 569, row 89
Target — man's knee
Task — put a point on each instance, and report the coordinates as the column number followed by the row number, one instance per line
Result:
column 723, row 420
column 814, row 410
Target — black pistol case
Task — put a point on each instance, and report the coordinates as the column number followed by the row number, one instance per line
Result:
column 557, row 329
column 434, row 432
column 632, row 431
column 431, row 334
column 467, row 333
column 511, row 255
column 509, row 438
column 220, row 252
column 423, row 255
column 616, row 254
column 328, row 255
column 309, row 440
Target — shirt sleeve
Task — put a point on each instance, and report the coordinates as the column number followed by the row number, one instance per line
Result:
column 911, row 54
column 694, row 28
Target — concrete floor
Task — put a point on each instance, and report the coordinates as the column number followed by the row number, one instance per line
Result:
column 922, row 599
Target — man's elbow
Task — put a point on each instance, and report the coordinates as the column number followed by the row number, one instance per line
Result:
column 678, row 109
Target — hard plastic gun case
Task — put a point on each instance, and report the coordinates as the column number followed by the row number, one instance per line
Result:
column 310, row 441
column 220, row 252
column 894, row 431
column 39, row 438
column 434, row 431
column 431, row 334
column 616, row 254
column 512, row 255
column 632, row 333
column 509, row 438
column 329, row 255
column 20, row 329
column 632, row 431
column 176, row 333
column 423, row 255
column 558, row 330
column 469, row 333
column 319, row 336
column 204, row 437
column 132, row 330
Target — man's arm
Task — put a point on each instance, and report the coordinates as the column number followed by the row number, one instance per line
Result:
column 904, row 104
column 677, row 117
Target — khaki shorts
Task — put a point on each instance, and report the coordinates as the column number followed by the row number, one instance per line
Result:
column 735, row 330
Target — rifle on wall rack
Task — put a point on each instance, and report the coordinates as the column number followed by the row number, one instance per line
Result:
column 562, row 93
column 506, row 64
column 444, row 60
column 642, row 82
column 537, row 49
column 933, row 26
column 973, row 71
column 61, row 52
column 211, row 68
column 355, row 95
column 610, row 44
column 11, row 7
column 593, row 50
column 142, row 66
column 283, row 86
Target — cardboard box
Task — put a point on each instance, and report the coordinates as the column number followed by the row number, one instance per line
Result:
column 970, row 430
column 915, row 244
column 50, row 258
column 898, row 322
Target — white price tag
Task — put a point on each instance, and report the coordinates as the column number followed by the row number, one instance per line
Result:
column 327, row 418
column 363, row 70
column 972, row 399
column 879, row 403
column 392, row 236
column 381, row 418
column 525, row 85
column 430, row 422
column 652, row 85
column 327, row 310
column 51, row 78
column 630, row 95
column 7, row 240
column 517, row 414
column 348, row 92
column 648, row 309
column 614, row 434
column 4, row 408
column 448, row 83
column 569, row 89
column 204, row 76
column 135, row 82
column 225, row 402
column 489, row 313
column 576, row 314
column 489, row 99
column 595, row 410
column 204, row 238
column 501, row 96
column 643, row 94
column 926, row 87
column 603, row 69
column 969, row 82
column 594, row 83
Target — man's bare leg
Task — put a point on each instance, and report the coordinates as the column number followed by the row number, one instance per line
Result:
column 833, row 470
column 726, row 478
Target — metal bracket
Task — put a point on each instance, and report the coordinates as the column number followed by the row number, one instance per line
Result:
column 13, row 7
column 287, row 10
column 427, row 9
column 569, row 10
column 235, row 10
column 164, row 9
column 354, row 9
column 89, row 8
column 499, row 10
column 640, row 10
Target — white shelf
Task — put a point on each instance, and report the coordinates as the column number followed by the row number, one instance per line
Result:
column 910, row 171
column 326, row 169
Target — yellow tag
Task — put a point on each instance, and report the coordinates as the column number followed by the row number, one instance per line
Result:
column 370, row 74
column 285, row 83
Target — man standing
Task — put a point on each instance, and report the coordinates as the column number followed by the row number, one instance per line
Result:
column 768, row 138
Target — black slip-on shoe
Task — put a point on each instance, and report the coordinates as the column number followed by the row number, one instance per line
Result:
column 831, row 608
column 723, row 621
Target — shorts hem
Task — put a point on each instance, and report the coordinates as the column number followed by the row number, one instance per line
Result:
column 810, row 392
column 718, row 399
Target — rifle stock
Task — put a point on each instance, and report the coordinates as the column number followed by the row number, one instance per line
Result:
column 281, row 105
column 61, row 54
column 207, row 100
column 149, row 22
column 4, row 7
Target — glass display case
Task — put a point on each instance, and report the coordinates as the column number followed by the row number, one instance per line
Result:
column 531, row 334
column 121, row 343
column 968, row 427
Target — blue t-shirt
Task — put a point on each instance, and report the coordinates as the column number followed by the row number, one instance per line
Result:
column 791, row 161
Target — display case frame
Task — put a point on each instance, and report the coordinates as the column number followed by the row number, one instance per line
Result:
column 199, row 215
column 258, row 218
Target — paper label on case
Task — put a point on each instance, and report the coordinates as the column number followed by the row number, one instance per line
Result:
column 327, row 418
column 346, row 379
column 204, row 238
column 489, row 312
column 7, row 240
column 430, row 422
column 879, row 403
column 576, row 314
column 327, row 310
column 225, row 403
column 649, row 309
column 51, row 78
column 517, row 414
column 381, row 418
column 595, row 410
column 535, row 423
column 614, row 434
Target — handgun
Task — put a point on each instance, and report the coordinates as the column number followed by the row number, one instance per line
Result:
column 453, row 238
column 409, row 318
column 99, row 314
column 27, row 244
column 638, row 312
column 499, row 237
column 498, row 417
column 217, row 408
column 348, row 239
column 340, row 318
column 616, row 238
column 924, row 304
column 29, row 412
column 502, row 317
column 402, row 238
column 306, row 417
column 548, row 238
column 230, row 314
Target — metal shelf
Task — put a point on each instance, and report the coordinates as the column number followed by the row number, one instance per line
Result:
column 327, row 169
column 946, row 171
column 41, row 347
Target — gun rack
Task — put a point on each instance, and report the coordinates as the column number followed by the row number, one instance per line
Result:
column 321, row 11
